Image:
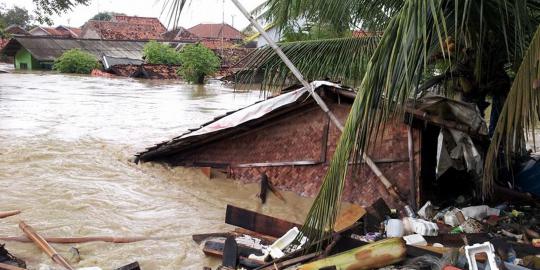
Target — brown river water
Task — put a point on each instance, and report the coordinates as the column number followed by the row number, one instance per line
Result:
column 65, row 146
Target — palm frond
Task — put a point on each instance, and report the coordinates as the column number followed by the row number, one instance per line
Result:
column 401, row 62
column 173, row 9
column 342, row 59
column 340, row 13
column 519, row 116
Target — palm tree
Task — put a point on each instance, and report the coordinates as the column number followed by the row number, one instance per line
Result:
column 473, row 48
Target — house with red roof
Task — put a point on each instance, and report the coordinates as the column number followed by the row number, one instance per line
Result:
column 122, row 27
column 59, row 31
column 213, row 31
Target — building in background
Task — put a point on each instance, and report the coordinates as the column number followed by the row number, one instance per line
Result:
column 123, row 27
column 213, row 31
column 59, row 31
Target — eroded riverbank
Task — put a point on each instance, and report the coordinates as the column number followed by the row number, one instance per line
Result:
column 65, row 142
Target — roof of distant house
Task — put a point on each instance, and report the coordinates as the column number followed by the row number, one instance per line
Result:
column 179, row 33
column 216, row 31
column 47, row 48
column 16, row 30
column 364, row 33
column 126, row 28
column 59, row 31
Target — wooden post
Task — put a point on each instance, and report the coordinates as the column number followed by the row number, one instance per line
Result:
column 44, row 246
column 412, row 171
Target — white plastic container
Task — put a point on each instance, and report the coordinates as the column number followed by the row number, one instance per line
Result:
column 479, row 212
column 394, row 228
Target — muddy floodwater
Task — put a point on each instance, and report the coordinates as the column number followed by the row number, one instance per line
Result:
column 65, row 146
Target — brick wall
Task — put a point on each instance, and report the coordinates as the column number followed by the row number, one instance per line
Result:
column 299, row 137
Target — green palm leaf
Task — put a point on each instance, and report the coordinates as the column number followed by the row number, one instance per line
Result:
column 520, row 113
column 343, row 59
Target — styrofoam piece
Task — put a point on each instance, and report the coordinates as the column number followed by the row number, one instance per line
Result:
column 454, row 217
column 276, row 249
column 394, row 228
column 420, row 226
column 422, row 212
column 487, row 248
column 415, row 239
column 480, row 211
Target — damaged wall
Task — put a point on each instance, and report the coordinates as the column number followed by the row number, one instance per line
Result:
column 302, row 137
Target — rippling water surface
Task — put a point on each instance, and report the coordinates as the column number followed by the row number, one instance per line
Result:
column 65, row 145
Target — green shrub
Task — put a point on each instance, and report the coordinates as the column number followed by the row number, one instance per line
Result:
column 76, row 61
column 197, row 62
column 160, row 53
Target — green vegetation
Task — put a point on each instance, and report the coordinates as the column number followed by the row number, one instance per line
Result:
column 105, row 15
column 16, row 15
column 46, row 8
column 76, row 61
column 160, row 53
column 197, row 62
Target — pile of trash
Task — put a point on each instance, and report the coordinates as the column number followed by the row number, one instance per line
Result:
column 471, row 237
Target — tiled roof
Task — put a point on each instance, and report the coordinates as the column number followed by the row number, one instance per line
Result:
column 16, row 30
column 59, row 31
column 179, row 33
column 216, row 31
column 125, row 28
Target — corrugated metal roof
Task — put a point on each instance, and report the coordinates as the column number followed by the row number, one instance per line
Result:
column 236, row 120
column 50, row 48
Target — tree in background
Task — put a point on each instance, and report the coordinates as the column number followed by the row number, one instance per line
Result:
column 76, row 61
column 16, row 15
column 197, row 62
column 106, row 15
column 46, row 8
column 160, row 53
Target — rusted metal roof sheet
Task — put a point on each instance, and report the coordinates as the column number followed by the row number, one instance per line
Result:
column 237, row 120
column 50, row 48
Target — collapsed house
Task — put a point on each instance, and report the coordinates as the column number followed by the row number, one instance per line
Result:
column 289, row 138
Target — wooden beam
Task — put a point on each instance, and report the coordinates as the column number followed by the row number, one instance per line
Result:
column 256, row 222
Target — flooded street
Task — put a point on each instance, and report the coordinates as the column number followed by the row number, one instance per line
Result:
column 65, row 146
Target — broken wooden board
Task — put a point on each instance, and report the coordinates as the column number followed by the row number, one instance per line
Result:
column 4, row 266
column 230, row 253
column 256, row 222
column 216, row 247
column 199, row 238
column 349, row 216
column 131, row 266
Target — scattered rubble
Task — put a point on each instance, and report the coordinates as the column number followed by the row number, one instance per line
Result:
column 503, row 236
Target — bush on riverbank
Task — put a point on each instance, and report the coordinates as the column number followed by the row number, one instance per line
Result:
column 197, row 62
column 160, row 53
column 76, row 61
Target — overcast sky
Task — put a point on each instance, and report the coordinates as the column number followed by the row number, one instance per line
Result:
column 199, row 11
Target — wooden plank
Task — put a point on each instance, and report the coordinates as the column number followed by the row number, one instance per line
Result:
column 230, row 253
column 349, row 216
column 215, row 249
column 291, row 262
column 131, row 266
column 198, row 238
column 4, row 266
column 256, row 222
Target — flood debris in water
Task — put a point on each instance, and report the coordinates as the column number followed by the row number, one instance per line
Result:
column 507, row 232
column 7, row 259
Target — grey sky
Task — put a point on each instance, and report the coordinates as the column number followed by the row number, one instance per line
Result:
column 207, row 11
